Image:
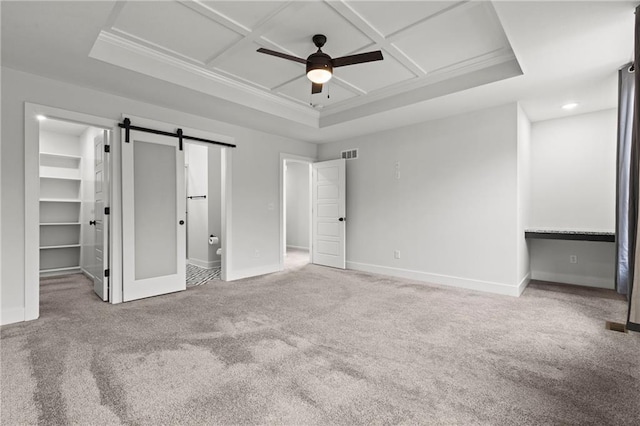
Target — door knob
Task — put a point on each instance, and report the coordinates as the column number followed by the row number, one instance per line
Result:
column 341, row 219
column 181, row 222
column 92, row 222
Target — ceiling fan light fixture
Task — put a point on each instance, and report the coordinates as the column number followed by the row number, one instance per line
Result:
column 320, row 65
column 319, row 75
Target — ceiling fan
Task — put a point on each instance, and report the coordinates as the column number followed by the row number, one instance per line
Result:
column 320, row 65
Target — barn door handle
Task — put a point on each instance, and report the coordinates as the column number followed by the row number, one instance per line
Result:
column 92, row 222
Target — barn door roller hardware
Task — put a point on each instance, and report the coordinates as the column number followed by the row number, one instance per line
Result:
column 126, row 125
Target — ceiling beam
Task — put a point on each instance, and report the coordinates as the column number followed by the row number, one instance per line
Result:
column 249, row 35
column 348, row 13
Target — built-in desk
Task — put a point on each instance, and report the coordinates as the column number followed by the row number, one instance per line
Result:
column 546, row 234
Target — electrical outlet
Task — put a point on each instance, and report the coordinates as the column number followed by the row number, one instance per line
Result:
column 271, row 206
column 396, row 254
column 397, row 170
column 573, row 259
column 256, row 253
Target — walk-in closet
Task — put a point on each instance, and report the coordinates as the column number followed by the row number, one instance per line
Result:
column 72, row 184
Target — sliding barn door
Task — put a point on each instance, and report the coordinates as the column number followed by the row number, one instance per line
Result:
column 329, row 207
column 153, row 216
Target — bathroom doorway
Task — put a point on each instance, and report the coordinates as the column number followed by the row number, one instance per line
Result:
column 203, row 180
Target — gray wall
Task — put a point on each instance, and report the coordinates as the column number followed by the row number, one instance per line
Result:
column 298, row 205
column 453, row 212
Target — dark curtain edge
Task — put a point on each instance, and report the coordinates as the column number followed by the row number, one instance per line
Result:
column 634, row 139
column 619, row 157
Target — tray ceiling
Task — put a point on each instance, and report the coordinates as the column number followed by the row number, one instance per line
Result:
column 430, row 48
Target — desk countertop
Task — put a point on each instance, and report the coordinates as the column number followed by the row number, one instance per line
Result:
column 555, row 234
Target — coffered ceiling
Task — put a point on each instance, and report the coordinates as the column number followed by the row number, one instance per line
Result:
column 441, row 58
column 211, row 46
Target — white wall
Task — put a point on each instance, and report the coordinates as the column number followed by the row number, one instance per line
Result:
column 298, row 203
column 215, row 200
column 255, row 222
column 59, row 143
column 573, row 162
column 87, row 232
column 524, row 193
column 453, row 214
column 198, row 209
column 573, row 172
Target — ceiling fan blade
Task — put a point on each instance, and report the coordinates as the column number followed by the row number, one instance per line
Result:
column 316, row 88
column 357, row 59
column 282, row 55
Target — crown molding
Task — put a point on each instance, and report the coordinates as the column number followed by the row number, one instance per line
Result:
column 483, row 71
column 125, row 53
column 439, row 76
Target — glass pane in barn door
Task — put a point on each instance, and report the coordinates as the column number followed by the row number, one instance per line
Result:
column 153, row 217
column 101, row 221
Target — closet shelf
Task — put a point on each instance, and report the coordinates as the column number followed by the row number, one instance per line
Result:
column 52, row 154
column 60, row 247
column 61, row 184
column 68, row 268
column 60, row 200
column 60, row 178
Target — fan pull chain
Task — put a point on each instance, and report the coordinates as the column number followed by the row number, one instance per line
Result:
column 328, row 91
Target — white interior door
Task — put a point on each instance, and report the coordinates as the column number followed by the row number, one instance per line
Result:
column 101, row 221
column 153, row 216
column 329, row 213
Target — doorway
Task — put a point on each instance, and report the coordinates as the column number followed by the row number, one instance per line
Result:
column 203, row 180
column 73, row 190
column 296, row 211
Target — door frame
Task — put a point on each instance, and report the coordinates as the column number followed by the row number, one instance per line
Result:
column 32, row 198
column 284, row 157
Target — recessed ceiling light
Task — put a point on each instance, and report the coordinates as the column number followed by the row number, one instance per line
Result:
column 570, row 105
column 41, row 117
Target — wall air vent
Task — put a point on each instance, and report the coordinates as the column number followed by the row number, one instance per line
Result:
column 349, row 154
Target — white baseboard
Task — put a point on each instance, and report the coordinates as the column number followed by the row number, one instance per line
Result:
column 487, row 286
column 207, row 264
column 13, row 315
column 87, row 274
column 252, row 272
column 524, row 282
column 574, row 279
column 298, row 248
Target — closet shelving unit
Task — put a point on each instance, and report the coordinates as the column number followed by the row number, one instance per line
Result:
column 60, row 204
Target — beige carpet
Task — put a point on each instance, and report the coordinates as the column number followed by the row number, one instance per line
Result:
column 320, row 346
column 296, row 258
